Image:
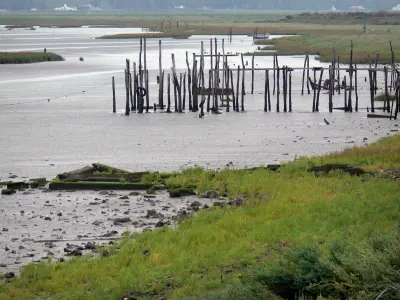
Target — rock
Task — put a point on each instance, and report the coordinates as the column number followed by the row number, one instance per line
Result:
column 152, row 213
column 211, row 194
column 7, row 192
column 47, row 219
column 90, row 246
column 124, row 197
column 5, row 230
column 9, row 275
column 94, row 203
column 134, row 194
column 59, row 214
column 160, row 224
column 195, row 204
column 13, row 176
column 145, row 252
column 74, row 253
column 181, row 192
column 17, row 185
column 219, row 204
column 103, row 193
column 119, row 221
column 3, row 266
column 149, row 196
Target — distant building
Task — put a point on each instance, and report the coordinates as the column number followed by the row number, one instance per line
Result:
column 179, row 7
column 333, row 8
column 34, row 9
column 397, row 7
column 357, row 7
column 65, row 8
column 88, row 7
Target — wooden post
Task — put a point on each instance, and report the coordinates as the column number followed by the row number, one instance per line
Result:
column 266, row 92
column 226, row 89
column 290, row 91
column 179, row 93
column 350, row 104
column 243, row 91
column 333, row 70
column 319, row 89
column 184, row 92
column 284, row 82
column 127, row 92
column 314, row 90
column 244, row 70
column 233, row 90
column 147, row 90
column 273, row 93
column 175, row 93
column 304, row 74
column 252, row 74
column 277, row 88
column 130, row 90
column 113, row 92
column 386, row 103
column 216, row 79
column 375, row 79
column 211, row 54
column 338, row 74
column 223, row 71
column 135, row 86
column 371, row 89
column 345, row 94
column 210, row 72
column 140, row 63
column 355, row 86
column 308, row 74
column 237, row 89
column 161, row 83
column 189, row 82
column 202, row 73
column 331, row 87
column 169, row 93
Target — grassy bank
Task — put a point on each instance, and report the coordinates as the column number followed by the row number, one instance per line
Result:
column 28, row 57
column 366, row 46
column 289, row 215
column 318, row 34
column 158, row 35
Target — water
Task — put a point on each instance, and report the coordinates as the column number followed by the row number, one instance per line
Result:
column 56, row 116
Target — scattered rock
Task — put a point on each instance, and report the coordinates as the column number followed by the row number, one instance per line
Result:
column 160, row 224
column 3, row 266
column 195, row 204
column 13, row 176
column 219, row 204
column 134, row 194
column 152, row 213
column 181, row 192
column 9, row 275
column 119, row 221
column 211, row 194
column 7, row 192
column 145, row 252
column 17, row 185
column 47, row 219
column 124, row 197
column 110, row 233
column 90, row 246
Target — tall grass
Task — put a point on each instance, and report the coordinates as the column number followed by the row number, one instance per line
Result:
column 28, row 57
column 210, row 250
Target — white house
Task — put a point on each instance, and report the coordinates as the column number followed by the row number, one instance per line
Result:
column 397, row 7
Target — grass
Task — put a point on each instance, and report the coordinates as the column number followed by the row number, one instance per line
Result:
column 175, row 35
column 318, row 34
column 383, row 97
column 366, row 46
column 214, row 249
column 28, row 57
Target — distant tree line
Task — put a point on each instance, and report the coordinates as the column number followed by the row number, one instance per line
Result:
column 146, row 5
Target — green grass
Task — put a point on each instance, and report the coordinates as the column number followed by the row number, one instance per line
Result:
column 383, row 97
column 175, row 35
column 28, row 57
column 211, row 250
column 366, row 46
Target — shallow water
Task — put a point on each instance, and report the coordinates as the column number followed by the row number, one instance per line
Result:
column 45, row 132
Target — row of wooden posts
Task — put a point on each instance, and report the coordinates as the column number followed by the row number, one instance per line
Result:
column 221, row 86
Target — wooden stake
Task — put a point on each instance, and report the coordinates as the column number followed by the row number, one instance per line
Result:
column 290, row 91
column 135, row 86
column 252, row 74
column 233, row 90
column 355, row 86
column 237, row 89
column 113, row 92
column 189, row 82
column 308, row 74
column 169, row 93
column 161, row 83
column 319, row 89
column 304, row 74
column 266, row 92
column 331, row 87
column 184, row 92
column 127, row 93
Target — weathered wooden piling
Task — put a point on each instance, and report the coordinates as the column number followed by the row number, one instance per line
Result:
column 319, row 88
column 127, row 92
column 290, row 90
column 274, row 67
column 277, row 88
column 189, row 82
column 184, row 92
column 252, row 74
column 266, row 92
column 386, row 103
column 345, row 88
column 233, row 91
column 237, row 89
column 331, row 86
column 356, row 87
column 314, row 89
column 371, row 88
column 161, row 82
column 308, row 74
column 210, row 74
column 179, row 92
column 350, row 104
column 130, row 90
column 243, row 75
column 333, row 69
column 375, row 74
column 113, row 93
column 147, row 90
column 243, row 89
column 304, row 74
column 135, row 86
column 338, row 74
column 169, row 93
